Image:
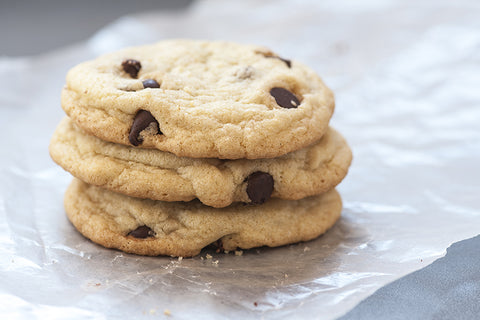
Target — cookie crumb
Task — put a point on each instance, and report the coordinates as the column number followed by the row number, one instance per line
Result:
column 215, row 263
column 151, row 280
column 306, row 249
column 208, row 256
column 180, row 259
column 226, row 252
column 167, row 312
column 286, row 276
column 238, row 252
column 201, row 258
column 153, row 311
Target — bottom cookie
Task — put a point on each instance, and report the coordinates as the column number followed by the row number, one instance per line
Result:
column 148, row 227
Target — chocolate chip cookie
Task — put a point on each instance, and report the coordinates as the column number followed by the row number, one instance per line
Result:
column 159, row 175
column 149, row 227
column 200, row 99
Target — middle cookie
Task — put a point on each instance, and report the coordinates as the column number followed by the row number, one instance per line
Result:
column 159, row 175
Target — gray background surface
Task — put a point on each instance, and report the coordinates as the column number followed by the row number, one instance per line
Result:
column 34, row 27
column 447, row 289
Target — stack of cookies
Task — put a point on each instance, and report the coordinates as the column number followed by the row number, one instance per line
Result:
column 182, row 144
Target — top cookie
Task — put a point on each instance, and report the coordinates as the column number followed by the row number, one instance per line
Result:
column 200, row 99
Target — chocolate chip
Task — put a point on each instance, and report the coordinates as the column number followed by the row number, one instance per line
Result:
column 219, row 246
column 142, row 120
column 287, row 62
column 142, row 232
column 269, row 54
column 150, row 83
column 259, row 187
column 132, row 67
column 284, row 98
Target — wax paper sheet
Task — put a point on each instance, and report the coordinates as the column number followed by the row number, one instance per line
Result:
column 406, row 75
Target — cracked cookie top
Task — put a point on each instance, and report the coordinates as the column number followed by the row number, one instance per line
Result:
column 200, row 99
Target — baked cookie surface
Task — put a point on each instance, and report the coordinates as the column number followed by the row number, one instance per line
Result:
column 149, row 227
column 159, row 175
column 200, row 99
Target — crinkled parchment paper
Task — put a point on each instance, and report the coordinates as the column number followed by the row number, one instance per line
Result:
column 407, row 80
